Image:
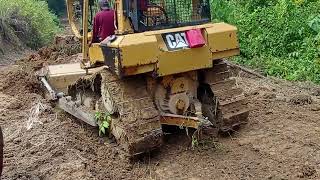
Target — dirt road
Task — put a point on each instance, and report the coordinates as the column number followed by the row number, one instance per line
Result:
column 281, row 140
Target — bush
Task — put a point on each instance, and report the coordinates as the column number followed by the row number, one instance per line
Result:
column 31, row 21
column 282, row 37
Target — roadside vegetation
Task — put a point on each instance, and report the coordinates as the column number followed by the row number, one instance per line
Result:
column 26, row 23
column 57, row 6
column 280, row 37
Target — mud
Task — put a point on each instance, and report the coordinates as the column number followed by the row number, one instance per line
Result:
column 280, row 141
column 20, row 81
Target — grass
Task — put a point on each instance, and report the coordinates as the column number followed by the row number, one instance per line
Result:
column 28, row 21
column 280, row 37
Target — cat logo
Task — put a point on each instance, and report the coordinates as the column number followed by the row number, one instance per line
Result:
column 175, row 41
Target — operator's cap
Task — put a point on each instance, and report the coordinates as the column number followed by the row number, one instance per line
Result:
column 104, row 4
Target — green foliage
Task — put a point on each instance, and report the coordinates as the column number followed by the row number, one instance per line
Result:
column 35, row 18
column 281, row 37
column 57, row 6
column 103, row 120
column 194, row 141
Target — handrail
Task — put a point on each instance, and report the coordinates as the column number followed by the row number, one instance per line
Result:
column 70, row 11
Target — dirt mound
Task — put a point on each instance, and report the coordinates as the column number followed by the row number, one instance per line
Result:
column 20, row 83
column 301, row 99
column 61, row 51
column 20, row 79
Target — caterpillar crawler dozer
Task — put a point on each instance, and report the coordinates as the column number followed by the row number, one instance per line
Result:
column 149, row 75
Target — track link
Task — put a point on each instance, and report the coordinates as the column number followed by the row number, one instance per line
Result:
column 135, row 122
column 137, row 126
column 232, row 106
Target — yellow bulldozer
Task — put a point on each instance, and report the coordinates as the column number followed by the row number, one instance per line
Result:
column 148, row 76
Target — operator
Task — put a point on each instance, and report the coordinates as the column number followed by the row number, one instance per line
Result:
column 104, row 22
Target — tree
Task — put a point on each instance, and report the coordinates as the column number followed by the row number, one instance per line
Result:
column 57, row 6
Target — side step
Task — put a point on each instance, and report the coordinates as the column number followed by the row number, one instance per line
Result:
column 185, row 121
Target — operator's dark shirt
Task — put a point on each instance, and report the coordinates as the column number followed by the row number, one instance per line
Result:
column 103, row 25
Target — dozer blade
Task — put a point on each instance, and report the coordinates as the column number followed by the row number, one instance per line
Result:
column 62, row 75
column 57, row 78
column 74, row 108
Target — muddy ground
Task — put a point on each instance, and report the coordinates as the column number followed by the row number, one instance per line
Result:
column 281, row 140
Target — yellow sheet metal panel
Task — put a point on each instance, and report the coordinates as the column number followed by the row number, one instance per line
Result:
column 141, row 49
column 95, row 53
column 123, row 23
column 173, row 62
column 225, row 54
column 138, row 49
column 138, row 69
column 222, row 37
column 161, row 44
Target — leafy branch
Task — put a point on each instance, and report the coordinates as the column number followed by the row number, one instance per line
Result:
column 103, row 120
